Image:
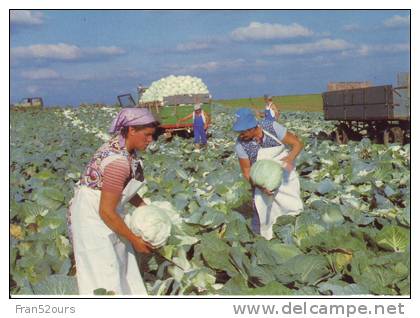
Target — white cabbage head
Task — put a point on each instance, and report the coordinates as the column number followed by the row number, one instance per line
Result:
column 151, row 223
column 267, row 173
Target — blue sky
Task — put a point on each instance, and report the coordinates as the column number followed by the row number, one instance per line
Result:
column 72, row 57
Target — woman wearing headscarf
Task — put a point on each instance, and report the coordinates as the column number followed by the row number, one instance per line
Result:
column 102, row 242
column 268, row 140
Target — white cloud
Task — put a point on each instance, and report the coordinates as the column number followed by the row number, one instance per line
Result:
column 259, row 62
column 323, row 34
column 397, row 21
column 210, row 66
column 393, row 48
column 32, row 89
column 351, row 27
column 268, row 31
column 103, row 50
column 257, row 78
column 25, row 17
column 104, row 74
column 192, row 46
column 365, row 49
column 62, row 52
column 324, row 45
column 39, row 74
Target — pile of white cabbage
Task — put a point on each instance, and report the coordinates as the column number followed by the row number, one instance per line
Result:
column 174, row 85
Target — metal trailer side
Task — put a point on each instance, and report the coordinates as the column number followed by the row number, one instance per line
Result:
column 367, row 104
column 381, row 112
column 186, row 99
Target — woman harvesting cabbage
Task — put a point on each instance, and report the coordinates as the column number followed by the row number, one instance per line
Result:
column 201, row 123
column 268, row 165
column 111, row 179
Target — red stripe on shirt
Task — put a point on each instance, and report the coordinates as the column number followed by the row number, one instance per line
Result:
column 115, row 176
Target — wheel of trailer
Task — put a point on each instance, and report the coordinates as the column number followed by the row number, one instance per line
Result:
column 393, row 135
column 185, row 133
column 322, row 135
column 341, row 134
column 167, row 135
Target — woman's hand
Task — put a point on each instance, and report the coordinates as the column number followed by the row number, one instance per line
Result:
column 297, row 146
column 108, row 213
column 141, row 246
column 265, row 191
column 288, row 163
column 262, row 189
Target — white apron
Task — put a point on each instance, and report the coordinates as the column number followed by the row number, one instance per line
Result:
column 285, row 200
column 102, row 259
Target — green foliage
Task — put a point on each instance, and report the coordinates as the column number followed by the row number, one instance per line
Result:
column 103, row 292
column 351, row 239
column 307, row 103
column 56, row 285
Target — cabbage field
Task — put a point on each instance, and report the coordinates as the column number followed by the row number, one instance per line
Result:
column 353, row 237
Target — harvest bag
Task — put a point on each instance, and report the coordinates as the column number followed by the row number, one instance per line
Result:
column 285, row 200
column 102, row 259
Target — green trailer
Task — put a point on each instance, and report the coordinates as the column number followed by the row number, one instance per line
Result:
column 169, row 111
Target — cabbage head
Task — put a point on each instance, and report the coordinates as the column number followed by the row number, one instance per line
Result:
column 174, row 85
column 267, row 173
column 150, row 223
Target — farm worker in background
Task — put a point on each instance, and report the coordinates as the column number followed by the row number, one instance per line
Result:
column 268, row 140
column 102, row 243
column 201, row 123
column 270, row 111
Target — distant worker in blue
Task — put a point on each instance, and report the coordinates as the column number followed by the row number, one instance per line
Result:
column 201, row 123
column 270, row 111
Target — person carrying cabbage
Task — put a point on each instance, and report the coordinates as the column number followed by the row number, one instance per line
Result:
column 270, row 111
column 102, row 242
column 201, row 123
column 266, row 152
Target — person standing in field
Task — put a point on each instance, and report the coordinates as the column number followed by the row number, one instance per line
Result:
column 268, row 140
column 102, row 242
column 201, row 123
column 270, row 110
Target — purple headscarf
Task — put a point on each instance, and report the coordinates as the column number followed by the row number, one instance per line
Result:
column 131, row 117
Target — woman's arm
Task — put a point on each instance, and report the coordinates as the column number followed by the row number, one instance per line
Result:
column 208, row 120
column 115, row 175
column 246, row 168
column 276, row 111
column 296, row 145
column 107, row 211
column 185, row 118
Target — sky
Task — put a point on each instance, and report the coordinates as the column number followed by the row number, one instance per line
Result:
column 70, row 57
